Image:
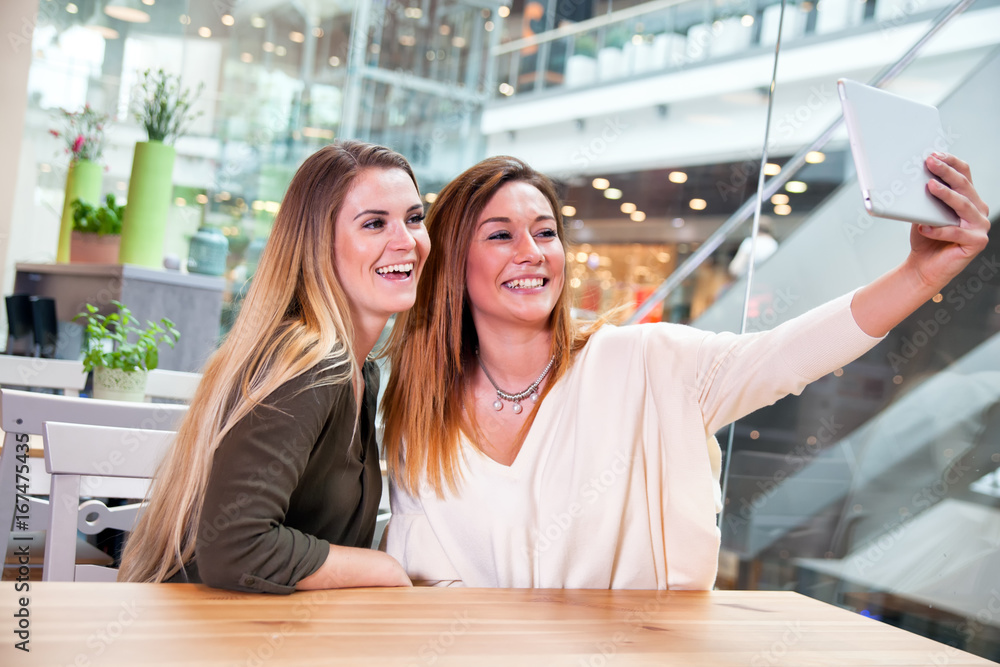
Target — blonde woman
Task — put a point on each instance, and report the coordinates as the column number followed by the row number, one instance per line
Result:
column 274, row 483
column 526, row 452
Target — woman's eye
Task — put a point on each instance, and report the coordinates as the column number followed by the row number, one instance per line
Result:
column 548, row 233
column 417, row 219
column 377, row 223
column 499, row 236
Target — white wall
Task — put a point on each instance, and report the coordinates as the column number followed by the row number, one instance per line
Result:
column 17, row 19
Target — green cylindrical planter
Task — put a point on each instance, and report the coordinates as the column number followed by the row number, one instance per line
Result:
column 149, row 190
column 82, row 182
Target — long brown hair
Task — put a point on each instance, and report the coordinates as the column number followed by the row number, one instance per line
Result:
column 295, row 316
column 432, row 345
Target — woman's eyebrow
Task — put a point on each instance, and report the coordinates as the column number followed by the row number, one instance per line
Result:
column 372, row 211
column 500, row 218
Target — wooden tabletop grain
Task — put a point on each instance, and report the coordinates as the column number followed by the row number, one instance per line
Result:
column 132, row 625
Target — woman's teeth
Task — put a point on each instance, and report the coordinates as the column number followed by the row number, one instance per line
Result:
column 525, row 283
column 395, row 268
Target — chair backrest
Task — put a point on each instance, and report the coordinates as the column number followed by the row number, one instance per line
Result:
column 43, row 373
column 171, row 385
column 72, row 451
column 25, row 413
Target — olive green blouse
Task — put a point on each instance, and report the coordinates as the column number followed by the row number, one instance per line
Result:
column 292, row 477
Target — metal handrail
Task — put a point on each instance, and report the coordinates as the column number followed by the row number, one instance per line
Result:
column 718, row 237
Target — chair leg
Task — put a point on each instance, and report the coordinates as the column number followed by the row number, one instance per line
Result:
column 60, row 540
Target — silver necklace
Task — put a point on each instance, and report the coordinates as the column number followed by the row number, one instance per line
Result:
column 516, row 399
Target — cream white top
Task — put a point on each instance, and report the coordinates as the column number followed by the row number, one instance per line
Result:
column 617, row 483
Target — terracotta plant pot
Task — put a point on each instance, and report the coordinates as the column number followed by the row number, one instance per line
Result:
column 94, row 249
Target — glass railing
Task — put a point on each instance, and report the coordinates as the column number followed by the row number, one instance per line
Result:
column 876, row 489
column 668, row 35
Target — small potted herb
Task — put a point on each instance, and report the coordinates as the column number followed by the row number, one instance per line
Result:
column 121, row 353
column 96, row 231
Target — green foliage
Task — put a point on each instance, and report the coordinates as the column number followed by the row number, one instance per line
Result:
column 585, row 45
column 164, row 108
column 617, row 36
column 100, row 220
column 139, row 354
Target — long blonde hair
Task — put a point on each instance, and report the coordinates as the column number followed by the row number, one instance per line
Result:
column 295, row 316
column 432, row 345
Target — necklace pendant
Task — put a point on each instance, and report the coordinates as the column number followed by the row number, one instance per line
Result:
column 534, row 397
column 497, row 405
column 516, row 408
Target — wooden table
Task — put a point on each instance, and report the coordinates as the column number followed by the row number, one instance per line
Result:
column 144, row 625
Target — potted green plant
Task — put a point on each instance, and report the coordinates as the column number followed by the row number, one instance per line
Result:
column 120, row 353
column 96, row 231
column 164, row 110
column 84, row 137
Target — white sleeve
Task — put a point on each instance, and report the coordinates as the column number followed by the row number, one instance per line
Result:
column 410, row 539
column 737, row 374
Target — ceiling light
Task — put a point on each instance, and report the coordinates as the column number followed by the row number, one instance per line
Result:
column 444, row 29
column 458, row 42
column 246, row 57
column 796, row 187
column 815, row 157
column 124, row 10
column 677, row 223
column 334, row 61
column 205, row 32
column 698, row 204
column 488, row 26
column 296, row 36
column 629, row 207
column 747, row 20
column 227, row 19
column 180, row 201
column 257, row 21
column 184, row 19
column 431, row 197
column 201, row 199
column 318, row 32
column 772, row 169
column 503, row 12
column 505, row 88
column 104, row 31
column 568, row 210
column 612, row 193
column 72, row 9
column 581, row 257
column 267, row 46
column 779, row 199
column 601, row 183
column 677, row 177
column 637, row 216
column 782, row 209
column 280, row 50
column 149, row 2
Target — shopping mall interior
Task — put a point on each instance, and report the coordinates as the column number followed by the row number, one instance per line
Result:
column 670, row 128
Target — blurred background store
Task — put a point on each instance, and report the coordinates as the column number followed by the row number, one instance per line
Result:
column 878, row 489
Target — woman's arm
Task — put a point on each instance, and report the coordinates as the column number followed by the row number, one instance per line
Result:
column 244, row 542
column 937, row 254
column 350, row 567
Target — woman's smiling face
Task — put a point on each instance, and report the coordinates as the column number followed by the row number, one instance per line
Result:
column 380, row 244
column 514, row 272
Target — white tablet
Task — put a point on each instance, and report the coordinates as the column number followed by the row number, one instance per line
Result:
column 891, row 137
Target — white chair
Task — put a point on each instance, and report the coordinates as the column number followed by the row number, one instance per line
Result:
column 24, row 413
column 171, row 385
column 73, row 451
column 43, row 373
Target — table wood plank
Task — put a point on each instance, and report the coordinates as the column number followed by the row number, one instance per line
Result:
column 185, row 624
